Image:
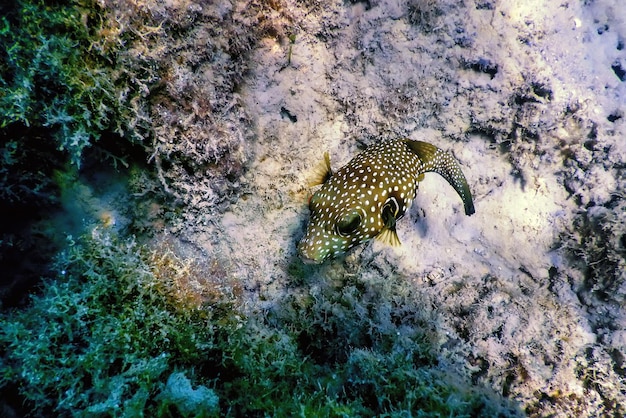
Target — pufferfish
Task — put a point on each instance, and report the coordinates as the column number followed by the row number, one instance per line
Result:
column 365, row 198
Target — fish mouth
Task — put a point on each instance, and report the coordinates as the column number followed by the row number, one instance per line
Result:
column 310, row 261
column 306, row 259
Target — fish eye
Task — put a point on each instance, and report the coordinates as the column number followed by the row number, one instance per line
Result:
column 349, row 224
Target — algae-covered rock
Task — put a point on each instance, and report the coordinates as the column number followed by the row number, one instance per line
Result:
column 201, row 401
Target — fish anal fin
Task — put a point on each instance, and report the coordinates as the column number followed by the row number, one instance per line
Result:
column 389, row 237
column 322, row 172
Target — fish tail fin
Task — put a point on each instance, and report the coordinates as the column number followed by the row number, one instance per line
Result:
column 443, row 163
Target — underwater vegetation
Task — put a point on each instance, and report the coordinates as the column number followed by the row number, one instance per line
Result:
column 82, row 82
column 52, row 77
column 102, row 334
column 118, row 333
column 56, row 99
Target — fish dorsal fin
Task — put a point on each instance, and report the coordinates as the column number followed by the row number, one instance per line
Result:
column 388, row 237
column 444, row 164
column 322, row 172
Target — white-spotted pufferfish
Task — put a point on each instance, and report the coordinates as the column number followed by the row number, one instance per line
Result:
column 366, row 197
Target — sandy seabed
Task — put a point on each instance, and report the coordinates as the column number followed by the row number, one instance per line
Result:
column 529, row 96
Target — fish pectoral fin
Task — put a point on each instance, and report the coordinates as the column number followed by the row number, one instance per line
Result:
column 390, row 212
column 389, row 237
column 322, row 172
column 443, row 163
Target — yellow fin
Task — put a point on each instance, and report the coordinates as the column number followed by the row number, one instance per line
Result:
column 424, row 150
column 420, row 177
column 389, row 237
column 322, row 172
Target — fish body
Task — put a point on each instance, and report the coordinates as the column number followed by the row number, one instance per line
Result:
column 366, row 197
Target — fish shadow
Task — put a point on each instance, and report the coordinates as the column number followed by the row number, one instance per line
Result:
column 420, row 223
